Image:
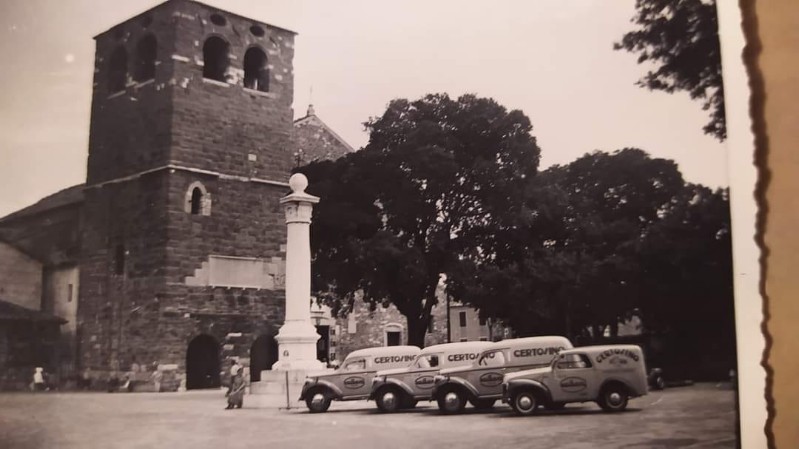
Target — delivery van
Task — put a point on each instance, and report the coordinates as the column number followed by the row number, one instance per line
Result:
column 480, row 383
column 353, row 380
column 400, row 388
column 609, row 375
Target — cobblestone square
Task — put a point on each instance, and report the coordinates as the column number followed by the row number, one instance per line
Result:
column 698, row 416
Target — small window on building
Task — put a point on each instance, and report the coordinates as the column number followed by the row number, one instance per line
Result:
column 119, row 259
column 146, row 51
column 196, row 201
column 393, row 338
column 117, row 70
column 352, row 326
column 215, row 59
column 431, row 325
column 257, row 31
column 482, row 320
column 218, row 20
column 462, row 319
column 256, row 74
column 69, row 292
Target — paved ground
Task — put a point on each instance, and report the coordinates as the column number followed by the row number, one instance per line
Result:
column 699, row 416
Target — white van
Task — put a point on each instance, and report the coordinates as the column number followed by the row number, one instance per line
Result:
column 353, row 380
column 480, row 383
column 608, row 375
column 404, row 387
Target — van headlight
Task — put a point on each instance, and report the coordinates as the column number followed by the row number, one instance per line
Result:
column 439, row 379
column 378, row 379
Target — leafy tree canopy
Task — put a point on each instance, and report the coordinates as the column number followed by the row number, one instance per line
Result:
column 680, row 37
column 437, row 179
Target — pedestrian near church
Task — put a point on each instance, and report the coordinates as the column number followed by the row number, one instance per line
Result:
column 235, row 393
column 38, row 379
column 157, row 377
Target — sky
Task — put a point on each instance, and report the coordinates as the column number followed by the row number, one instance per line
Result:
column 552, row 59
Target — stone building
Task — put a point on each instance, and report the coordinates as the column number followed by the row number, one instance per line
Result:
column 171, row 255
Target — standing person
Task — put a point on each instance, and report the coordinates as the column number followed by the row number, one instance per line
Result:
column 235, row 393
column 157, row 377
column 235, row 368
column 38, row 379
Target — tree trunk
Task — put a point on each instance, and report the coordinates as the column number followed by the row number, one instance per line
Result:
column 417, row 328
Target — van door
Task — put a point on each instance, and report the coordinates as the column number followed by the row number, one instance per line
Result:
column 356, row 380
column 420, row 378
column 573, row 379
column 486, row 374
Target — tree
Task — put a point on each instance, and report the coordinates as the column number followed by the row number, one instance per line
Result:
column 436, row 181
column 574, row 266
column 681, row 38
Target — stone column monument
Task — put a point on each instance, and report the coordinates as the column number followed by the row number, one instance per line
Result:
column 297, row 337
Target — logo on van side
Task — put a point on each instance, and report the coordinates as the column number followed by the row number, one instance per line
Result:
column 354, row 382
column 394, row 359
column 462, row 357
column 573, row 384
column 537, row 351
column 616, row 351
column 425, row 382
column 491, row 379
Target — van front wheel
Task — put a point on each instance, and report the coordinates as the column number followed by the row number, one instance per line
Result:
column 451, row 401
column 524, row 403
column 389, row 400
column 318, row 402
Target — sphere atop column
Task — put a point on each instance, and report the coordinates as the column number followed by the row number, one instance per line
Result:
column 298, row 182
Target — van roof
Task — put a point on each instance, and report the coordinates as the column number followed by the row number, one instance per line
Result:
column 527, row 340
column 384, row 350
column 600, row 348
column 461, row 345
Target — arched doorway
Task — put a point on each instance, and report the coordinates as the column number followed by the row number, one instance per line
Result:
column 202, row 363
column 263, row 354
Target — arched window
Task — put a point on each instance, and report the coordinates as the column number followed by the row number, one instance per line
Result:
column 146, row 50
column 256, row 75
column 119, row 259
column 117, row 70
column 198, row 200
column 215, row 58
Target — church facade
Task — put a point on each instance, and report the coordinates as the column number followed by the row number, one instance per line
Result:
column 171, row 256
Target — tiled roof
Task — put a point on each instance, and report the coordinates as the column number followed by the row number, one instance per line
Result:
column 68, row 196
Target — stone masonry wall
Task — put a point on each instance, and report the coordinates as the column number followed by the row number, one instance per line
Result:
column 20, row 278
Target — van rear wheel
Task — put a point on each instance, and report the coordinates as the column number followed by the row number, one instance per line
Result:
column 613, row 398
column 451, row 401
column 389, row 400
column 524, row 402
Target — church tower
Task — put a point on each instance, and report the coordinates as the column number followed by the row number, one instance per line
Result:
column 189, row 153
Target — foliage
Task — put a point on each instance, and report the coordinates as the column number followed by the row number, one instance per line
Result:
column 681, row 38
column 435, row 181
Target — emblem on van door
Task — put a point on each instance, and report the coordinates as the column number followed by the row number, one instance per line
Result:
column 354, row 382
column 491, row 379
column 425, row 382
column 573, row 384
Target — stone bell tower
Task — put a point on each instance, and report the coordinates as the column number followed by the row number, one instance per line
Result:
column 189, row 155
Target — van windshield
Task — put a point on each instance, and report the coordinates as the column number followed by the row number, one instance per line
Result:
column 426, row 361
column 491, row 359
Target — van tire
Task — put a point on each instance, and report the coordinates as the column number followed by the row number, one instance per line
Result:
column 451, row 401
column 389, row 399
column 483, row 404
column 613, row 398
column 315, row 403
column 525, row 402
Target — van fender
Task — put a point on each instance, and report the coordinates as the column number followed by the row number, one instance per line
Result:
column 456, row 382
column 324, row 385
column 524, row 384
column 394, row 383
